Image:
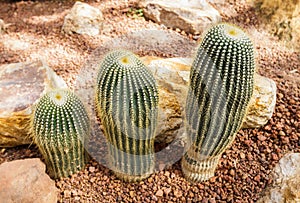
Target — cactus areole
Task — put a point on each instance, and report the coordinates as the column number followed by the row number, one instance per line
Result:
column 221, row 85
column 60, row 128
column 126, row 103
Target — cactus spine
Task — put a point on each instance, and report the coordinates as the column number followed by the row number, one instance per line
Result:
column 221, row 85
column 126, row 102
column 60, row 128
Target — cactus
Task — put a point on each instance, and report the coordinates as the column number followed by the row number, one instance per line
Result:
column 126, row 103
column 221, row 85
column 60, row 128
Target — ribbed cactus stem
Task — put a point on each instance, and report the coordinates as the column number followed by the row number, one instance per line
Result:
column 60, row 128
column 221, row 85
column 126, row 103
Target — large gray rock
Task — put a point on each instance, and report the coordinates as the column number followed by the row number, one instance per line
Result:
column 286, row 186
column 83, row 19
column 21, row 85
column 172, row 75
column 26, row 181
column 192, row 16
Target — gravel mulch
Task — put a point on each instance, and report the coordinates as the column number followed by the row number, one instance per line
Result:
column 244, row 170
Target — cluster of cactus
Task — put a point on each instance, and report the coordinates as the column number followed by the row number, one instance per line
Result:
column 126, row 102
column 221, row 85
column 60, row 127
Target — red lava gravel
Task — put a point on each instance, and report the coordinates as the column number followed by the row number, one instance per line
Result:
column 244, row 170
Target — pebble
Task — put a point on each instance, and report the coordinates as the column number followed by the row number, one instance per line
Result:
column 159, row 193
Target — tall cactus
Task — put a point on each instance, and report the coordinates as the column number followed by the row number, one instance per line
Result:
column 221, row 85
column 126, row 102
column 60, row 128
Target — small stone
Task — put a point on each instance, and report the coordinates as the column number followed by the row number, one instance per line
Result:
column 190, row 16
column 92, row 169
column 26, row 181
column 274, row 157
column 150, row 180
column 261, row 137
column 83, row 19
column 232, row 172
column 159, row 193
column 281, row 133
column 132, row 193
column 177, row 193
column 167, row 191
column 67, row 193
column 242, row 155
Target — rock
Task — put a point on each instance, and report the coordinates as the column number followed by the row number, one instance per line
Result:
column 282, row 17
column 172, row 75
column 83, row 19
column 192, row 16
column 286, row 185
column 15, row 44
column 2, row 26
column 21, row 85
column 26, row 181
column 262, row 103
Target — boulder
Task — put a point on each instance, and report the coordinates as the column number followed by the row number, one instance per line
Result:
column 262, row 103
column 282, row 18
column 83, row 19
column 26, row 181
column 172, row 75
column 191, row 16
column 286, row 185
column 21, row 85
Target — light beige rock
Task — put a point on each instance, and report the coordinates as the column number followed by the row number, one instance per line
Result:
column 282, row 18
column 262, row 103
column 172, row 75
column 2, row 26
column 21, row 85
column 192, row 16
column 286, row 186
column 26, row 181
column 83, row 19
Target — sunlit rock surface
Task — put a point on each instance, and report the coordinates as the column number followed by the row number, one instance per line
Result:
column 191, row 16
column 83, row 19
column 286, row 176
column 26, row 181
column 21, row 85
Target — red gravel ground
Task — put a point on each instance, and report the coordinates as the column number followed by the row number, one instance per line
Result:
column 244, row 170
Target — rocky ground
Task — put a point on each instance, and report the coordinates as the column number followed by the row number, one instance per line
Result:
column 243, row 173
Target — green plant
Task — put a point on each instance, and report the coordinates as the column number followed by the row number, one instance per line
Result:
column 126, row 103
column 60, row 128
column 221, row 85
column 135, row 12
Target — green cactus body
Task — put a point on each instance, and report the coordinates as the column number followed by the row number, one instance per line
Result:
column 126, row 102
column 221, row 85
column 60, row 128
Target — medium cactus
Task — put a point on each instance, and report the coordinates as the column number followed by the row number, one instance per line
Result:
column 60, row 128
column 126, row 103
column 221, row 85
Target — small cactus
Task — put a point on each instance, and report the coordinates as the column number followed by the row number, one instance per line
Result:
column 60, row 128
column 221, row 85
column 126, row 103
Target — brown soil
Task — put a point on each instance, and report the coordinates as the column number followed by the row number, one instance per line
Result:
column 244, row 170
